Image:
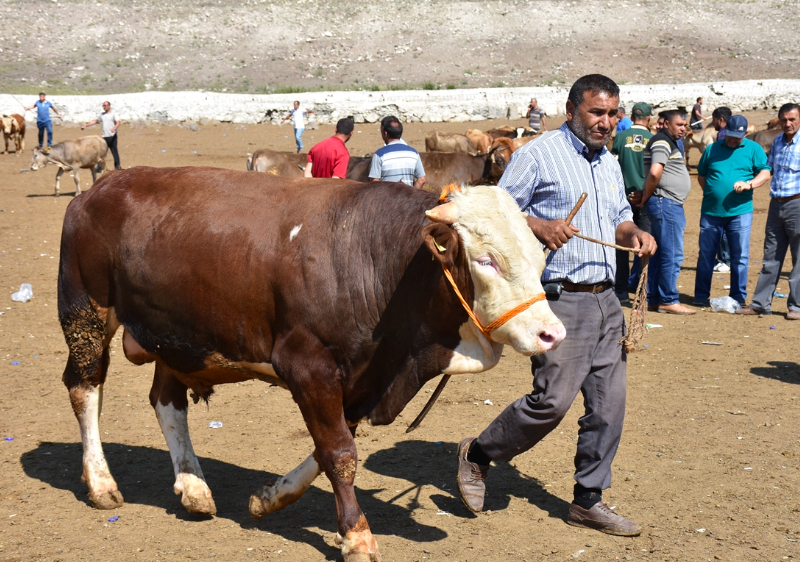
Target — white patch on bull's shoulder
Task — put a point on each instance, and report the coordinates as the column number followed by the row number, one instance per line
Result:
column 474, row 353
column 294, row 232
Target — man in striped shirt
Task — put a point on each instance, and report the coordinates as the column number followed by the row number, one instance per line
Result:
column 783, row 218
column 396, row 161
column 547, row 177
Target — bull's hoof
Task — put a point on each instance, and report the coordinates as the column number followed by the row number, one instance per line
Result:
column 257, row 510
column 203, row 505
column 107, row 500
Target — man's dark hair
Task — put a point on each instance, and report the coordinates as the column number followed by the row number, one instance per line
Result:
column 723, row 113
column 596, row 83
column 345, row 126
column 42, row 94
column 672, row 114
column 622, row 109
column 392, row 126
column 787, row 107
column 698, row 99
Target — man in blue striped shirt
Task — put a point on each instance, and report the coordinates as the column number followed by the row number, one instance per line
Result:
column 396, row 161
column 783, row 218
column 547, row 177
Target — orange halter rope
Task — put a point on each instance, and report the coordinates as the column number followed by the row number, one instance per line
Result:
column 487, row 331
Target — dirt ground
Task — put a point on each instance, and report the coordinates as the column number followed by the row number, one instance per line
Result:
column 707, row 463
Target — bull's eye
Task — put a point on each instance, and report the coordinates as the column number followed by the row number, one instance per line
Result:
column 485, row 261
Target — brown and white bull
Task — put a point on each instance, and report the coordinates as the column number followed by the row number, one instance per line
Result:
column 13, row 130
column 341, row 298
column 71, row 156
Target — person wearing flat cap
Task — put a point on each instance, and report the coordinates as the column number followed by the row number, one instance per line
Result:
column 728, row 172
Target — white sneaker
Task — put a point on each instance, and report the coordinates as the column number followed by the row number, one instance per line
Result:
column 722, row 268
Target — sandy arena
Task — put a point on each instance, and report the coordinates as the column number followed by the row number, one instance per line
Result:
column 707, row 463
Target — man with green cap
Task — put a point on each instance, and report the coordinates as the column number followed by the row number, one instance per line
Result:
column 629, row 149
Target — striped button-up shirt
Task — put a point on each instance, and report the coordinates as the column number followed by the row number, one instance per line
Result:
column 547, row 176
column 784, row 159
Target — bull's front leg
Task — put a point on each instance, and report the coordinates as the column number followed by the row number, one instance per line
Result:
column 308, row 368
column 168, row 398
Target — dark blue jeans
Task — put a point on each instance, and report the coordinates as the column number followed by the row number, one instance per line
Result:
column 737, row 230
column 48, row 126
column 667, row 223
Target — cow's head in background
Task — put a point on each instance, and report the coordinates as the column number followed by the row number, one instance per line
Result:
column 8, row 124
column 505, row 263
column 39, row 159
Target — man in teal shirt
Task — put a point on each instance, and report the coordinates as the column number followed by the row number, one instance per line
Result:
column 728, row 172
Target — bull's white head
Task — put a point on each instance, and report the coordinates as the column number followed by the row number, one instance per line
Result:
column 505, row 263
column 39, row 159
column 7, row 124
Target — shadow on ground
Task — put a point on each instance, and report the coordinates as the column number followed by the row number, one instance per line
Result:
column 145, row 476
column 428, row 464
column 784, row 371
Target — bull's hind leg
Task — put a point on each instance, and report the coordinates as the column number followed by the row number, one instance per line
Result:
column 88, row 330
column 313, row 377
column 168, row 398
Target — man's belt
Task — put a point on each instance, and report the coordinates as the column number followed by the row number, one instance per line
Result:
column 586, row 288
column 785, row 199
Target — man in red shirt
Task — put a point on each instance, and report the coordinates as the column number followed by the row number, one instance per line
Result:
column 329, row 158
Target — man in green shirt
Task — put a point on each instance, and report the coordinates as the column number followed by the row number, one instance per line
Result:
column 629, row 149
column 728, row 172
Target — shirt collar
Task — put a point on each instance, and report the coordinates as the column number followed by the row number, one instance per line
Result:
column 395, row 141
column 783, row 139
column 578, row 144
column 637, row 126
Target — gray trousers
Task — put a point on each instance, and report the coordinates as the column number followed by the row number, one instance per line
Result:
column 589, row 360
column 782, row 232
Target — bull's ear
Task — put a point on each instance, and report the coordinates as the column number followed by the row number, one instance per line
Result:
column 442, row 241
column 446, row 213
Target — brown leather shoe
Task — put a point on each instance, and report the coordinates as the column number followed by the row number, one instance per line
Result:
column 471, row 478
column 793, row 315
column 750, row 311
column 602, row 519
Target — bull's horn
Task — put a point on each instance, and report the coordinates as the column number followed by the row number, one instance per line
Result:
column 446, row 213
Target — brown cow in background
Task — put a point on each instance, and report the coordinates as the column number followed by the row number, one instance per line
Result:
column 437, row 141
column 481, row 140
column 14, row 129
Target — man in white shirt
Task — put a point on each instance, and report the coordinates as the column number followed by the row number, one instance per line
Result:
column 298, row 119
column 110, row 122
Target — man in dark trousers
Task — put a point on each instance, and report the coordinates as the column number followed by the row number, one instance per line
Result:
column 546, row 178
column 629, row 147
column 329, row 158
column 110, row 122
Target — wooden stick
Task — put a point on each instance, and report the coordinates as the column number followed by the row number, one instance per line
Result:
column 576, row 208
column 623, row 248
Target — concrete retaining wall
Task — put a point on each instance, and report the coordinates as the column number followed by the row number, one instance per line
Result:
column 410, row 105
